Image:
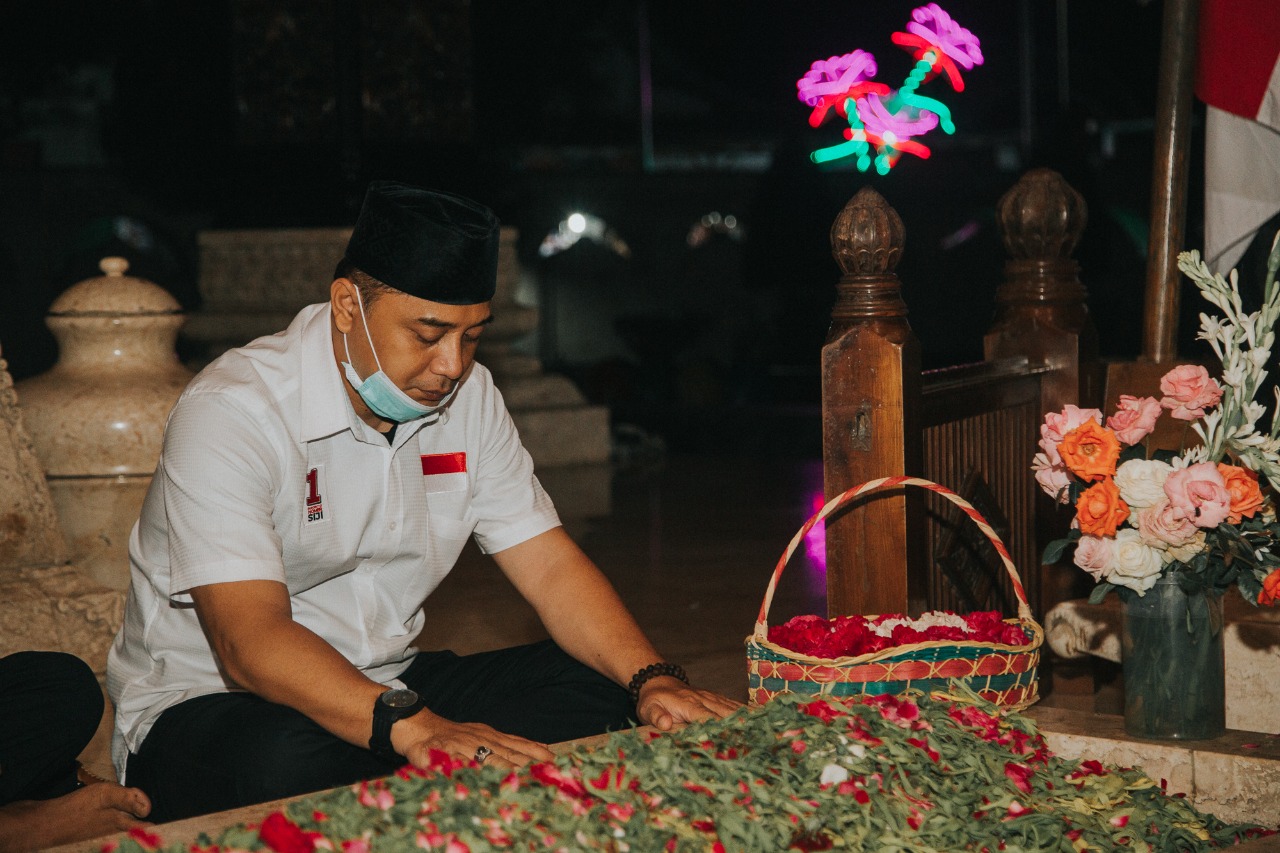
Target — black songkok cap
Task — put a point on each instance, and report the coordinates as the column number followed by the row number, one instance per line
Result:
column 428, row 244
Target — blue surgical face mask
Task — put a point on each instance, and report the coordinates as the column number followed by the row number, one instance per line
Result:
column 377, row 390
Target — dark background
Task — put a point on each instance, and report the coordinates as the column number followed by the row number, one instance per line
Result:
column 126, row 128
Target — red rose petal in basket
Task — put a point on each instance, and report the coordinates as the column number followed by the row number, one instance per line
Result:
column 853, row 636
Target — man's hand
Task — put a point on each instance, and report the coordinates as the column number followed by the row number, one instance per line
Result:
column 415, row 737
column 666, row 701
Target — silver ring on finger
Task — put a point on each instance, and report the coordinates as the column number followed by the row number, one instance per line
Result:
column 482, row 752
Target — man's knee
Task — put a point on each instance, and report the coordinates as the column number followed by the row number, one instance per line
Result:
column 298, row 757
column 227, row 750
column 54, row 690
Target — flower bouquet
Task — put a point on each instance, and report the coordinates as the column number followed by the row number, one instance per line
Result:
column 1187, row 523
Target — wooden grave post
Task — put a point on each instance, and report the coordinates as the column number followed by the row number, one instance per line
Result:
column 870, row 418
column 1041, row 314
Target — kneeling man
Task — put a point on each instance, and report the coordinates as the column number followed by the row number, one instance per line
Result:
column 315, row 486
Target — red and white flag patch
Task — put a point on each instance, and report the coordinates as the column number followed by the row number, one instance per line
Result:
column 444, row 472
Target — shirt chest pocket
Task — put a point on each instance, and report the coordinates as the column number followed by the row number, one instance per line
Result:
column 440, row 537
column 321, row 549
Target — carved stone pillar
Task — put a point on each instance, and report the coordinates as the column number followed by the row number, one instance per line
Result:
column 1041, row 313
column 44, row 603
column 870, row 417
column 29, row 534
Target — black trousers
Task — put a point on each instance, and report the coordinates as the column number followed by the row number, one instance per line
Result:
column 233, row 749
column 50, row 706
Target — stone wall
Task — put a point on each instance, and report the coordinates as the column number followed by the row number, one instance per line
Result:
column 29, row 532
column 45, row 603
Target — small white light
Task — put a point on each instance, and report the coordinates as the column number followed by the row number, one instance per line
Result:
column 731, row 221
column 889, row 136
column 577, row 223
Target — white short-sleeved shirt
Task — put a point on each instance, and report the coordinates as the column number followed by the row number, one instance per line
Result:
column 268, row 474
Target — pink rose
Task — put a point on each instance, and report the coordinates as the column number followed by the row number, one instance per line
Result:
column 1188, row 389
column 1058, row 424
column 1093, row 554
column 1052, row 478
column 1161, row 526
column 1199, row 494
column 1135, row 418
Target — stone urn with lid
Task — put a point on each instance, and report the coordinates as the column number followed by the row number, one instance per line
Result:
column 97, row 417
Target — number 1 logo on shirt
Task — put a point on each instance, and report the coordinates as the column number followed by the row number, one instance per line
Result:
column 315, row 495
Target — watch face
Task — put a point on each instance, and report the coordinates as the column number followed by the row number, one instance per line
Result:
column 399, row 698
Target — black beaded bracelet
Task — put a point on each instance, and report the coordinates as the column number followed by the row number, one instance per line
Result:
column 654, row 670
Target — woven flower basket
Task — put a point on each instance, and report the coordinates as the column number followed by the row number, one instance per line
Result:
column 1003, row 674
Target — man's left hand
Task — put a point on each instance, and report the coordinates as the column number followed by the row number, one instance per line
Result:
column 666, row 702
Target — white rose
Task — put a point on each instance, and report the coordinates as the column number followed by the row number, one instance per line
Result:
column 1133, row 563
column 1141, row 481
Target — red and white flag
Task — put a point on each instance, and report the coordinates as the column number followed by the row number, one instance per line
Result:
column 1238, row 77
column 444, row 472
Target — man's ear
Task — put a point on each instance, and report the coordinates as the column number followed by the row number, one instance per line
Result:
column 342, row 299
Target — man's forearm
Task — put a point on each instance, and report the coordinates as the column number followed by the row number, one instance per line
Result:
column 577, row 604
column 250, row 625
column 264, row 651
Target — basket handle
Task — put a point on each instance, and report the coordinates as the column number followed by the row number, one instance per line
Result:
column 1024, row 609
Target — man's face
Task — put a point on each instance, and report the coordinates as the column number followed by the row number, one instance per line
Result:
column 424, row 347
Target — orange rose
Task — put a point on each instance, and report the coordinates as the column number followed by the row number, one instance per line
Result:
column 1090, row 451
column 1242, row 485
column 1270, row 589
column 1100, row 509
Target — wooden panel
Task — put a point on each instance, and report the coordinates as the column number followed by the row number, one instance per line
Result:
column 954, row 393
column 983, row 419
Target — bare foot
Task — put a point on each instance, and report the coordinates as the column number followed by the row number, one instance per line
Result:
column 84, row 813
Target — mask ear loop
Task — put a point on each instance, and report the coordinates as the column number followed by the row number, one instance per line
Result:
column 368, row 337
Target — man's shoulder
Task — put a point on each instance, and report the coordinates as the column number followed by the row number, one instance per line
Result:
column 258, row 376
column 271, row 360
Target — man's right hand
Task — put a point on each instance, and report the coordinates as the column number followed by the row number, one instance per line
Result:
column 414, row 738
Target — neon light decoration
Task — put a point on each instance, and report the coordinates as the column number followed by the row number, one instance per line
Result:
column 884, row 119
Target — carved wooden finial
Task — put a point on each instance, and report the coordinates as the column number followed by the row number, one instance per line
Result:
column 867, row 237
column 1042, row 217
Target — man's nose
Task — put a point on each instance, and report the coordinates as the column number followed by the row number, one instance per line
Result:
column 449, row 359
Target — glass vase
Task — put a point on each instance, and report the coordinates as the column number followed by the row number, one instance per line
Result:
column 1174, row 676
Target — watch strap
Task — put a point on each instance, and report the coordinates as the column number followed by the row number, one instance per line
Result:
column 384, row 717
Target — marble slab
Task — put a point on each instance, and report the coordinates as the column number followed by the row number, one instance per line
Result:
column 1236, row 776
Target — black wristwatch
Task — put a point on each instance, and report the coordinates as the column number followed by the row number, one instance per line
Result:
column 391, row 706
